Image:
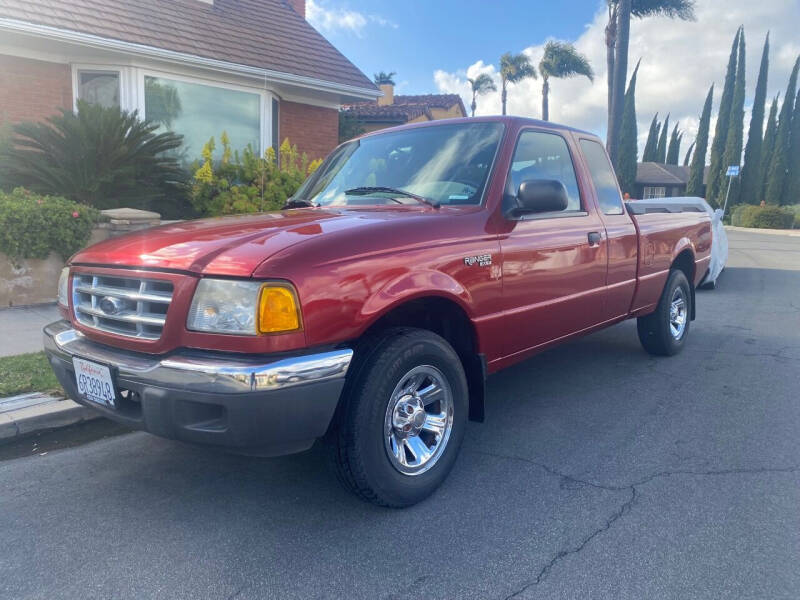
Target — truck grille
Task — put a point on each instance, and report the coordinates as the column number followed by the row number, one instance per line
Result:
column 122, row 305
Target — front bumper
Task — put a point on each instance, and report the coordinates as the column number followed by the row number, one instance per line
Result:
column 249, row 404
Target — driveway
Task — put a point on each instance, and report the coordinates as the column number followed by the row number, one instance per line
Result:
column 600, row 472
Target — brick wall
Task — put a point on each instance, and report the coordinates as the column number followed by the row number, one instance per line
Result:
column 31, row 90
column 313, row 129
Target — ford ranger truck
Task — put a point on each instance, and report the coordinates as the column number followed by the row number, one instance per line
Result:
column 368, row 313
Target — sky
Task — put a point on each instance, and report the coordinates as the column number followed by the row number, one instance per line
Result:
column 434, row 45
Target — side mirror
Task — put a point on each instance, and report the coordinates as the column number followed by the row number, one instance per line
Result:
column 540, row 195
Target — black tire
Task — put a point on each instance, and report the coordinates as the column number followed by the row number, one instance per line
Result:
column 359, row 452
column 655, row 332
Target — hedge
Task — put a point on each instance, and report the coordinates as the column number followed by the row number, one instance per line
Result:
column 763, row 217
column 32, row 226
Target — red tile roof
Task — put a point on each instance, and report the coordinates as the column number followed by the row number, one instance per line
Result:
column 370, row 112
column 265, row 34
column 405, row 108
column 432, row 100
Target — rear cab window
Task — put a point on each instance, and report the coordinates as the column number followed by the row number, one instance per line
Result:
column 603, row 178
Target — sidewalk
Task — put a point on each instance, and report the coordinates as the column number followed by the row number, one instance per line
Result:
column 789, row 232
column 21, row 328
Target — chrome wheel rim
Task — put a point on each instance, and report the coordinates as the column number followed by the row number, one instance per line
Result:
column 677, row 314
column 419, row 420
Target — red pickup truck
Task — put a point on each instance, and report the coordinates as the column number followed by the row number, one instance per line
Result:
column 412, row 264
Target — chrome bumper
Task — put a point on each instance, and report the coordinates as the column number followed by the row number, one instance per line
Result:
column 202, row 372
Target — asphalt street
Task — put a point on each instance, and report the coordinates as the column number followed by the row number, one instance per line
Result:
column 601, row 472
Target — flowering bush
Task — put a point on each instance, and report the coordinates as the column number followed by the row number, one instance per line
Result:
column 247, row 183
column 31, row 226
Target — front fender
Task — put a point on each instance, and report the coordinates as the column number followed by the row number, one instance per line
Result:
column 411, row 286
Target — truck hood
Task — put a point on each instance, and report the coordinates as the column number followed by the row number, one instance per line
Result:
column 233, row 245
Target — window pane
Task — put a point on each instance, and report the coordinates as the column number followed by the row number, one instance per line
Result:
column 199, row 112
column 545, row 156
column 99, row 88
column 605, row 182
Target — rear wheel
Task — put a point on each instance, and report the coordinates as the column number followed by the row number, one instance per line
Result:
column 664, row 331
column 399, row 430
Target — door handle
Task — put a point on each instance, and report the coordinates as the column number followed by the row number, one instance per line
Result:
column 595, row 237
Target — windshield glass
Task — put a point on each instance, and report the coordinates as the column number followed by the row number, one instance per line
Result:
column 445, row 165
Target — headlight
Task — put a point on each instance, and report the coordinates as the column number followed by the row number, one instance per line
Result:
column 63, row 287
column 243, row 307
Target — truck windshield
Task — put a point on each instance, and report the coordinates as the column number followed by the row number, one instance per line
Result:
column 442, row 165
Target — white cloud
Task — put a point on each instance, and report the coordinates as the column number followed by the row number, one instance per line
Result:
column 680, row 60
column 326, row 18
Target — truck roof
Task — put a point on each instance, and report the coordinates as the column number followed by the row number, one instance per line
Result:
column 508, row 120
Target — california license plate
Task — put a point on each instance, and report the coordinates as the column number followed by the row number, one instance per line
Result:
column 94, row 381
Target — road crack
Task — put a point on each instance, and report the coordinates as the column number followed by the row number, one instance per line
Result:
column 625, row 507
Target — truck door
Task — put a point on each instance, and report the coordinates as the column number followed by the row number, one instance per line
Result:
column 622, row 239
column 554, row 263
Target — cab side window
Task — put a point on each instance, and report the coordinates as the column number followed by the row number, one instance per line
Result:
column 605, row 182
column 542, row 155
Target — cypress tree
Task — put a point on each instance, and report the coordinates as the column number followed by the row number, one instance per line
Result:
column 767, row 149
column 628, row 155
column 661, row 153
column 716, row 173
column 777, row 177
column 751, row 172
column 733, row 143
column 674, row 151
column 688, row 154
column 792, row 195
column 649, row 154
column 696, row 172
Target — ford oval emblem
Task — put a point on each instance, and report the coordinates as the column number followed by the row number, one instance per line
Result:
column 110, row 305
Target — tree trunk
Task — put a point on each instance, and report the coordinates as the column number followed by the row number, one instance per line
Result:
column 545, row 99
column 620, row 77
column 474, row 104
column 611, row 41
column 503, row 98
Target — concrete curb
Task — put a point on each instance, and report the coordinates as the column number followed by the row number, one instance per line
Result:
column 49, row 415
column 787, row 232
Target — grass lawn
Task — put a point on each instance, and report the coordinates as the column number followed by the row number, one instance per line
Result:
column 26, row 373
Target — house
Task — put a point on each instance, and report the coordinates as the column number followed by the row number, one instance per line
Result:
column 658, row 180
column 255, row 69
column 390, row 109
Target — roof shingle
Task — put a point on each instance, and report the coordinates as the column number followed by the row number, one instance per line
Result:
column 265, row 34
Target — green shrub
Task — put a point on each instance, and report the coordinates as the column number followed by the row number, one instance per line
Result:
column 32, row 226
column 247, row 183
column 763, row 217
column 743, row 214
column 795, row 208
column 102, row 157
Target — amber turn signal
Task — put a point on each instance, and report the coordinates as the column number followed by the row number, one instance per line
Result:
column 278, row 310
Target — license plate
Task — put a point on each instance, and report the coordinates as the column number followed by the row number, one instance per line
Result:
column 94, row 381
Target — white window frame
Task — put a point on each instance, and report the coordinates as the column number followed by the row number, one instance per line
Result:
column 124, row 78
column 654, row 192
column 131, row 93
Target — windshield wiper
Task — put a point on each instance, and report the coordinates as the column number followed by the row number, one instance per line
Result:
column 367, row 190
column 297, row 203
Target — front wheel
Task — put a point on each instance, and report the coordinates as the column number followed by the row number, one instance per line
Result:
column 399, row 430
column 664, row 331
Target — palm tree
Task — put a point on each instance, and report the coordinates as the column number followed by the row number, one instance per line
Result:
column 617, row 36
column 513, row 69
column 561, row 60
column 482, row 84
column 383, row 78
